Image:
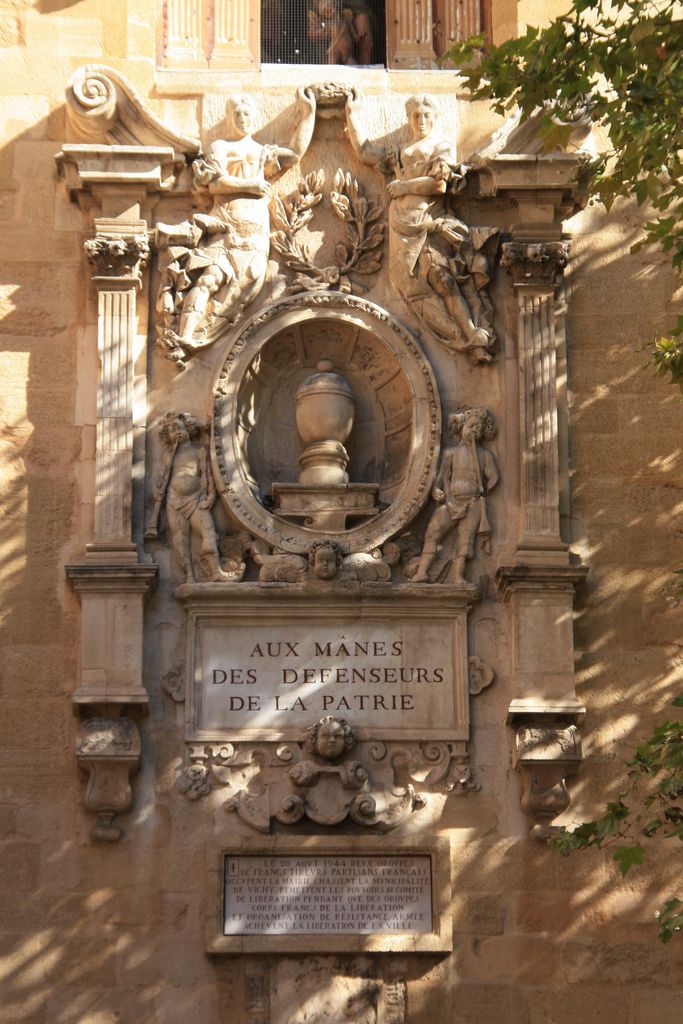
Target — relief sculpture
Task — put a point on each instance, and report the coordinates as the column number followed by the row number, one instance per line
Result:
column 466, row 474
column 215, row 264
column 185, row 490
column 323, row 785
column 438, row 264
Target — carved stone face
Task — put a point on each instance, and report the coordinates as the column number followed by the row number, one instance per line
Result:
column 330, row 742
column 179, row 431
column 325, row 563
column 421, row 121
column 472, row 428
column 242, row 117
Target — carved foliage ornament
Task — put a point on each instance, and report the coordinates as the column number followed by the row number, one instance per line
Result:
column 535, row 262
column 439, row 265
column 361, row 219
column 214, row 265
column 117, row 256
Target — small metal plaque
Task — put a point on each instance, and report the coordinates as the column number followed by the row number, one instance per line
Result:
column 299, row 895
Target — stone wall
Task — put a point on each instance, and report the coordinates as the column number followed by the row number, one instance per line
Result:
column 98, row 934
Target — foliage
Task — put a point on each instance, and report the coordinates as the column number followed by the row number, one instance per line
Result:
column 621, row 64
column 651, row 805
column 362, row 222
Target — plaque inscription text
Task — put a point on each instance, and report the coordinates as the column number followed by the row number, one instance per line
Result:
column 294, row 895
column 387, row 674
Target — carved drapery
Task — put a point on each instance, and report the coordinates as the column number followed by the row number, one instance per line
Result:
column 122, row 182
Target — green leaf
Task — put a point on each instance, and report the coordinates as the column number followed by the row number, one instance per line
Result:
column 628, row 857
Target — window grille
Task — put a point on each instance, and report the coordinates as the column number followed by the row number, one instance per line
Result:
column 350, row 32
column 240, row 34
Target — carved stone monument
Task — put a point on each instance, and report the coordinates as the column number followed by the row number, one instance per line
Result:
column 329, row 500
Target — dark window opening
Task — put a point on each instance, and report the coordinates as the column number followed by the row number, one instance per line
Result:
column 350, row 32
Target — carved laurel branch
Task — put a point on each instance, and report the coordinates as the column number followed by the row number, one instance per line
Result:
column 361, row 218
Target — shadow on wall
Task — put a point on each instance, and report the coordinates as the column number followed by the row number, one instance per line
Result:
column 94, row 935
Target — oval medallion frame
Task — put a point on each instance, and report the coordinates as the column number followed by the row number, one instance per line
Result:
column 232, row 476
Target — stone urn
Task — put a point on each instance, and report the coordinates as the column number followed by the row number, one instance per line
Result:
column 324, row 419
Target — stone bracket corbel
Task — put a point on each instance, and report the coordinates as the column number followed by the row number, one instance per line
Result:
column 545, row 710
column 108, row 749
column 110, row 685
column 546, row 755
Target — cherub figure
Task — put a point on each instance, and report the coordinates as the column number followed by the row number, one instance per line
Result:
column 330, row 738
column 438, row 265
column 186, row 487
column 217, row 262
column 467, row 473
column 325, row 559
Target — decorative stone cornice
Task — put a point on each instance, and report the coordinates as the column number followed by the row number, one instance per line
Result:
column 535, row 263
column 116, row 578
column 512, row 578
column 117, row 256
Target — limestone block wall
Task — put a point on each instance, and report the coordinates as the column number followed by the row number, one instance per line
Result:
column 113, row 934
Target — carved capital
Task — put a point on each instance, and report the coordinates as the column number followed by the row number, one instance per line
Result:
column 535, row 263
column 109, row 750
column 545, row 756
column 120, row 256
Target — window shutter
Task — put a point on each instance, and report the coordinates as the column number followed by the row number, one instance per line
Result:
column 236, row 32
column 455, row 20
column 210, row 34
column 181, row 43
column 410, row 32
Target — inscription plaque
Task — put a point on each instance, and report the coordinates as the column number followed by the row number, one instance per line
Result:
column 299, row 895
column 264, row 661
